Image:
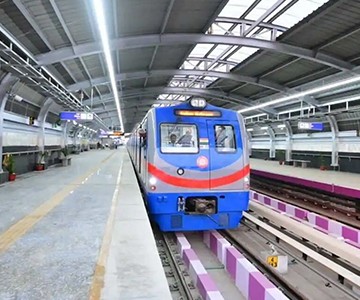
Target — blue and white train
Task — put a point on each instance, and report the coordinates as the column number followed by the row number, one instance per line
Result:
column 193, row 164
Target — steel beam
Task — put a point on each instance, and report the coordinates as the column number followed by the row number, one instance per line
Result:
column 130, row 103
column 225, row 97
column 263, row 17
column 38, row 30
column 69, row 36
column 45, row 108
column 151, row 40
column 207, row 59
column 173, row 72
column 6, row 84
column 163, row 26
column 250, row 23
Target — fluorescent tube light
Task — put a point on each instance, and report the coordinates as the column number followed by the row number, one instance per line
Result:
column 100, row 16
column 302, row 94
column 265, row 127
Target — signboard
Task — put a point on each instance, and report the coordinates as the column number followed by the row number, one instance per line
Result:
column 76, row 116
column 272, row 261
column 311, row 126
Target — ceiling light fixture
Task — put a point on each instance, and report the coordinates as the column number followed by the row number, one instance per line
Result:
column 100, row 16
column 302, row 94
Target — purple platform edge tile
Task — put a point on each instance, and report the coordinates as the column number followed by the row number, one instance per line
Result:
column 322, row 222
column 213, row 243
column 189, row 254
column 351, row 234
column 231, row 257
column 281, row 206
column 258, row 283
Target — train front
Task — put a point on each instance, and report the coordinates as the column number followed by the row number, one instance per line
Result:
column 199, row 173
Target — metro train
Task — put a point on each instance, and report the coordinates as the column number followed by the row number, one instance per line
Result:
column 193, row 164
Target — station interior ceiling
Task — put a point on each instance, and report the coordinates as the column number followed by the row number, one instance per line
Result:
column 275, row 61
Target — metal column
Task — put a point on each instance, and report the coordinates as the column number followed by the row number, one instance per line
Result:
column 249, row 137
column 272, row 142
column 6, row 84
column 289, row 134
column 41, row 119
column 335, row 140
column 64, row 140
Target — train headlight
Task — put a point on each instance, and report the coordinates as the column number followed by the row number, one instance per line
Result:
column 180, row 171
column 247, row 183
column 198, row 103
column 152, row 180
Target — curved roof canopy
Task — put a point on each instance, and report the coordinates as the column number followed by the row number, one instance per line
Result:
column 247, row 55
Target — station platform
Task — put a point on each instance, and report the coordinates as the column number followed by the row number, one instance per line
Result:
column 335, row 182
column 79, row 232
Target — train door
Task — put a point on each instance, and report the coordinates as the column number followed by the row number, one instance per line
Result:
column 144, row 150
column 225, row 150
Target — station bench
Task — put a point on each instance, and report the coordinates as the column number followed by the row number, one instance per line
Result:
column 66, row 161
column 298, row 162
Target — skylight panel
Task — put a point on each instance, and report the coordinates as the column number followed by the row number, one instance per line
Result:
column 200, row 50
column 276, row 11
column 163, row 96
column 264, row 35
column 260, row 9
column 298, row 11
column 220, row 28
column 210, row 78
column 219, row 68
column 218, row 51
column 187, row 65
column 235, row 8
column 201, row 66
column 242, row 54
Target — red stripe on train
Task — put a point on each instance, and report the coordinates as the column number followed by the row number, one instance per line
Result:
column 198, row 183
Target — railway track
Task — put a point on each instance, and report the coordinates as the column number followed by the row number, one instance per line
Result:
column 180, row 283
column 284, row 286
column 343, row 210
column 291, row 289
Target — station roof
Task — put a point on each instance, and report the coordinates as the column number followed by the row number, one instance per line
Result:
column 236, row 54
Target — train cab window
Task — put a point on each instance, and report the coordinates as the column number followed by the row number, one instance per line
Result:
column 225, row 138
column 179, row 138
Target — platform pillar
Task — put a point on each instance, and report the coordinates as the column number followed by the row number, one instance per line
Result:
column 334, row 140
column 41, row 119
column 272, row 142
column 248, row 134
column 289, row 134
column 64, row 140
column 6, row 84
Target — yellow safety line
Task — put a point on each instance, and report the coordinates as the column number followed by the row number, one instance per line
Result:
column 17, row 230
column 98, row 278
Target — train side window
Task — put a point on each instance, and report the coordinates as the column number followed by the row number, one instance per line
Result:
column 179, row 138
column 225, row 138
